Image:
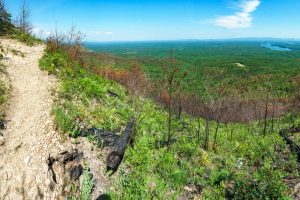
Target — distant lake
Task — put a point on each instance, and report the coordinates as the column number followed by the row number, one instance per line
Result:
column 274, row 47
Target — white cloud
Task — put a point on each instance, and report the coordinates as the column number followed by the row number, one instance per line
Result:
column 108, row 33
column 241, row 19
column 98, row 33
column 40, row 32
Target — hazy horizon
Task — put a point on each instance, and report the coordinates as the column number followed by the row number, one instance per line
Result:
column 254, row 39
column 132, row 20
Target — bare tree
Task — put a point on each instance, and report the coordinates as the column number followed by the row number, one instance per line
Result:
column 74, row 42
column 219, row 111
column 172, row 80
column 211, row 108
column 23, row 21
column 179, row 94
column 55, row 40
column 266, row 112
column 198, row 129
column 207, row 112
column 170, row 71
column 274, row 105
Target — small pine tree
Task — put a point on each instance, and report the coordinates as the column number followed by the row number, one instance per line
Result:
column 5, row 20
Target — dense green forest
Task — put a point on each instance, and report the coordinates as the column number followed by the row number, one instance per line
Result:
column 239, row 66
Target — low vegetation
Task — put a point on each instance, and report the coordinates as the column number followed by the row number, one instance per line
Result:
column 84, row 191
column 241, row 161
column 24, row 37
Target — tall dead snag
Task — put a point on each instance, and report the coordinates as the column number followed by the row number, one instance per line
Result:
column 23, row 21
column 198, row 129
column 274, row 108
column 170, row 70
column 138, row 86
column 206, row 139
column 211, row 108
column 266, row 112
column 179, row 102
column 219, row 111
column 117, row 152
column 216, row 134
column 179, row 93
column 207, row 113
column 172, row 80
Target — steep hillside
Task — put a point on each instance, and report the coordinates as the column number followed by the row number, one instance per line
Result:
column 239, row 162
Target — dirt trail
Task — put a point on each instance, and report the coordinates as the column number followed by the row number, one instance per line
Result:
column 30, row 138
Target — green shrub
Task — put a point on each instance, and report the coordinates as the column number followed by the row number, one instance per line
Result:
column 66, row 118
column 262, row 184
column 26, row 38
column 87, row 185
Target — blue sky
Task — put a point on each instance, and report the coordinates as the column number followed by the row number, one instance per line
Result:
column 130, row 20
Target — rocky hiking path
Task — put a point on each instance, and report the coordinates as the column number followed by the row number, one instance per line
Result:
column 34, row 163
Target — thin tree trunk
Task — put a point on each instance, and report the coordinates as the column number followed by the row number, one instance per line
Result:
column 198, row 130
column 255, row 111
column 273, row 115
column 169, row 117
column 266, row 113
column 179, row 107
column 206, row 141
column 169, row 125
column 216, row 134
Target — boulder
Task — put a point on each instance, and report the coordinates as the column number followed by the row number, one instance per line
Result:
column 76, row 172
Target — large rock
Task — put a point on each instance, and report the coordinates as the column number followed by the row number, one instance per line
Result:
column 76, row 172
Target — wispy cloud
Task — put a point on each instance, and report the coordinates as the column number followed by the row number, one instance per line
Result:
column 39, row 32
column 241, row 19
column 98, row 33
